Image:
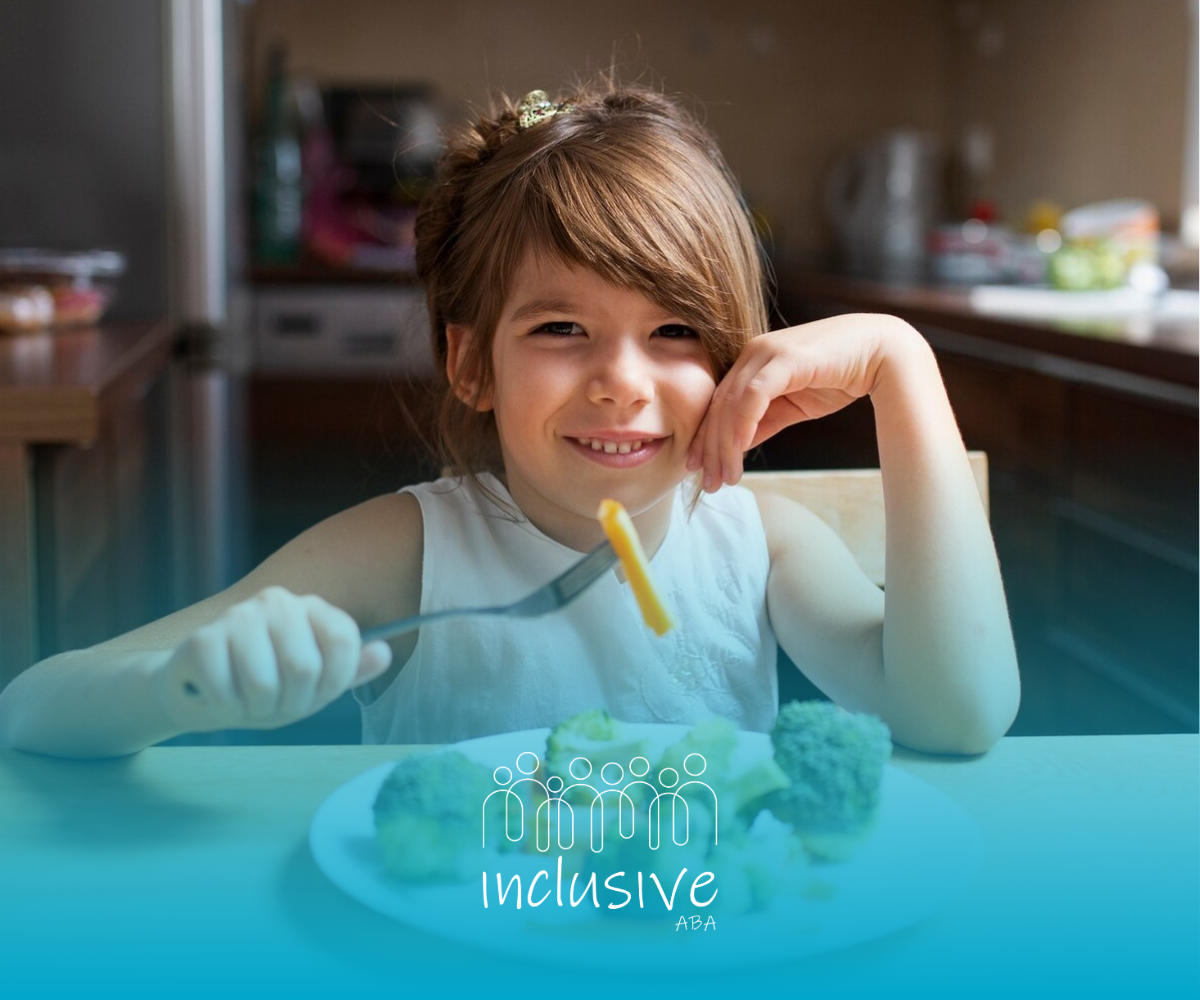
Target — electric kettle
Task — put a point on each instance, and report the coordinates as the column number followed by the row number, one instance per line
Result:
column 882, row 199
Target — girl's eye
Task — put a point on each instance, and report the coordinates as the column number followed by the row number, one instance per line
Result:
column 564, row 329
column 677, row 331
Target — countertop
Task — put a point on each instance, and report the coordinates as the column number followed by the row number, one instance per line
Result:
column 1153, row 346
column 53, row 383
column 186, row 871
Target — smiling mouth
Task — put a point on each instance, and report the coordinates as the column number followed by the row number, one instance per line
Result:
column 615, row 447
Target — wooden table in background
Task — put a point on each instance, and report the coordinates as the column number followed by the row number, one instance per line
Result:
column 71, row 411
column 186, row 871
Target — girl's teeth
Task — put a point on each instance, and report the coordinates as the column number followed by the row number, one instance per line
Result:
column 611, row 447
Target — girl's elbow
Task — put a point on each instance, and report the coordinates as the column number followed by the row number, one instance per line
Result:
column 976, row 738
column 983, row 709
column 965, row 726
column 981, row 724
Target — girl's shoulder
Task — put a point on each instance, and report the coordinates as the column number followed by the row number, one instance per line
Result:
column 365, row 560
column 790, row 525
column 809, row 558
column 483, row 494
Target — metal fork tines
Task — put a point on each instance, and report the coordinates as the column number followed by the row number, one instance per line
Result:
column 558, row 593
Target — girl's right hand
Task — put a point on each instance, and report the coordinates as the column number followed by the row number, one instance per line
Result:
column 266, row 662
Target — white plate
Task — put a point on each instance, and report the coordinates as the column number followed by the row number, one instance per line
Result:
column 922, row 852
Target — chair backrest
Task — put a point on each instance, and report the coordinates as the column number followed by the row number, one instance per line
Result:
column 851, row 502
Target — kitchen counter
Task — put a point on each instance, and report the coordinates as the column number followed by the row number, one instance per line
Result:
column 75, row 434
column 186, row 871
column 53, row 385
column 1156, row 354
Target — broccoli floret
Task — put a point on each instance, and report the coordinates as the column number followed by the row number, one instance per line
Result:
column 715, row 739
column 834, row 760
column 428, row 817
column 596, row 736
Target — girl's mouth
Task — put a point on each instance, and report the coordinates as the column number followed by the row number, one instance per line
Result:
column 619, row 454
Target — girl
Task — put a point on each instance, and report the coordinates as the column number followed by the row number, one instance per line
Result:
column 597, row 306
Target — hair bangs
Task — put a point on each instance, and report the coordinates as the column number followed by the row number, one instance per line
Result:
column 665, row 232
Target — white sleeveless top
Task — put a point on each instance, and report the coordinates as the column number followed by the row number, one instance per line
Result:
column 475, row 677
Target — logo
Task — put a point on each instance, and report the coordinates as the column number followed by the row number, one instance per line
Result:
column 613, row 788
column 642, row 803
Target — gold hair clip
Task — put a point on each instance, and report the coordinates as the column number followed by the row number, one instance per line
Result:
column 536, row 107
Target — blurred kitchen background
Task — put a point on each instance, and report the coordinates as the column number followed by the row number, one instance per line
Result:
column 210, row 337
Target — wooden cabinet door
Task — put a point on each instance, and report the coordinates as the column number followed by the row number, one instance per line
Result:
column 102, row 516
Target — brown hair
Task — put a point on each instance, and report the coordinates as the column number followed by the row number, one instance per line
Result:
column 625, row 183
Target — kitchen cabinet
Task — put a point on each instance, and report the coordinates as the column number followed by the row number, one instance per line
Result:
column 318, row 445
column 1092, row 447
column 85, row 533
column 1094, row 500
column 339, row 404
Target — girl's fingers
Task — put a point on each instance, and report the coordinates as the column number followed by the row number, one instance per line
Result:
column 268, row 661
column 298, row 656
column 373, row 662
column 253, row 666
column 716, row 422
column 780, row 378
column 340, row 644
column 739, row 404
column 748, row 405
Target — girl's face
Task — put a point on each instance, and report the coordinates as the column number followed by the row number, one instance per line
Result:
column 597, row 393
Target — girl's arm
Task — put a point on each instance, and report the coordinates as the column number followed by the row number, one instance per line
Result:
column 934, row 656
column 254, row 656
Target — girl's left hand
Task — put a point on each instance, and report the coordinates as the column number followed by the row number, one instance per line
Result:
column 785, row 377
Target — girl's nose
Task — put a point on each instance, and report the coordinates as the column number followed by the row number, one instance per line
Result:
column 622, row 376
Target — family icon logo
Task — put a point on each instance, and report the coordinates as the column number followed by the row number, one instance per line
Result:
column 621, row 785
column 632, row 792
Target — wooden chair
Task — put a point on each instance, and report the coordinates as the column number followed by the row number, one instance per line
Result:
column 851, row 502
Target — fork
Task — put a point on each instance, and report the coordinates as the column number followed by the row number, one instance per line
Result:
column 556, row 594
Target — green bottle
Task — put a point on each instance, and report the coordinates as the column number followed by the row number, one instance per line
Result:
column 278, row 184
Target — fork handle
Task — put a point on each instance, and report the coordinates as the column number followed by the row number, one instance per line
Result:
column 389, row 630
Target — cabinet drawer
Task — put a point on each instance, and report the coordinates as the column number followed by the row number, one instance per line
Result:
column 1074, row 698
column 1001, row 410
column 1138, row 610
column 1136, row 463
column 1025, row 528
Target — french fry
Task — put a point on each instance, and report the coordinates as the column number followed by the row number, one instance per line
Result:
column 618, row 526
